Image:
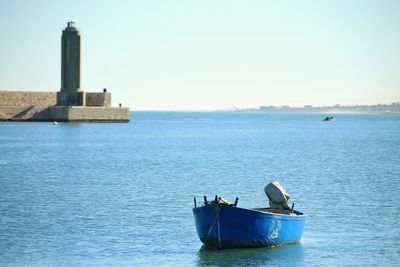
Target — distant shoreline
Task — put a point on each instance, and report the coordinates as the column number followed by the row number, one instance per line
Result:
column 393, row 108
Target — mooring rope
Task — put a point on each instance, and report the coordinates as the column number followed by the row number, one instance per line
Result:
column 219, row 208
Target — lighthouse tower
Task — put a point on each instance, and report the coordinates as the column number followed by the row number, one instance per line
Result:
column 71, row 94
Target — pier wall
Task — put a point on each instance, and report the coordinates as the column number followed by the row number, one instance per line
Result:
column 98, row 114
column 24, row 98
column 64, row 113
column 98, row 100
column 46, row 99
column 42, row 106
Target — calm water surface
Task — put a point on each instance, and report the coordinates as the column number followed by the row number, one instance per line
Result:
column 122, row 194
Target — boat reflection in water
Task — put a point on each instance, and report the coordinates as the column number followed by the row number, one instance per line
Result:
column 289, row 255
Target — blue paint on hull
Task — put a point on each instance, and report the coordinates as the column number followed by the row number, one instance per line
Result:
column 227, row 226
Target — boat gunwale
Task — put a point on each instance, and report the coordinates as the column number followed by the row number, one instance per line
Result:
column 279, row 216
column 290, row 215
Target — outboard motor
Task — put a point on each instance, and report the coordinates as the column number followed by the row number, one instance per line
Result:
column 277, row 195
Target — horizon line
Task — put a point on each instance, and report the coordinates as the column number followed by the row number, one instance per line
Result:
column 236, row 108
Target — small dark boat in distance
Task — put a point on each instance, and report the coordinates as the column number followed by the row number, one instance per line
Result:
column 328, row 118
column 221, row 224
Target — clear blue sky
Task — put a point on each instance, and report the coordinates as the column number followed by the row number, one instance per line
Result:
column 190, row 55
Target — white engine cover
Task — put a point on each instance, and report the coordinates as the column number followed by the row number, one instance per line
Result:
column 277, row 195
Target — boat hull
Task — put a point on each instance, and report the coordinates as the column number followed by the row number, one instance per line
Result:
column 227, row 226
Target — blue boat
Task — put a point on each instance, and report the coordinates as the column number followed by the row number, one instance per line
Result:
column 221, row 225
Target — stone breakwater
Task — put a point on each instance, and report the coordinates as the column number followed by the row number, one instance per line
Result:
column 42, row 106
column 24, row 98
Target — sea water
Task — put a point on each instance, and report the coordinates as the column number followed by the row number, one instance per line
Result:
column 122, row 194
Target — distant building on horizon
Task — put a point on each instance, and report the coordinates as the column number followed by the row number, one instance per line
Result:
column 393, row 108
